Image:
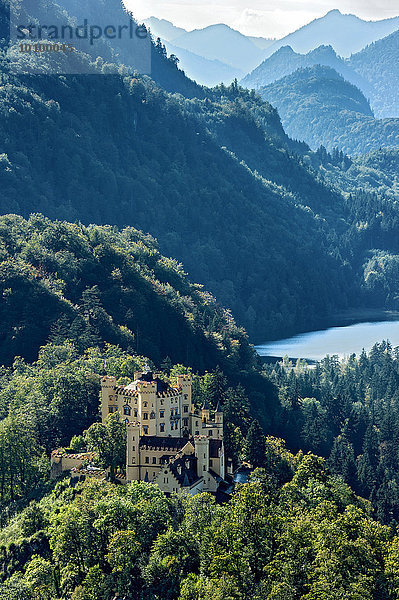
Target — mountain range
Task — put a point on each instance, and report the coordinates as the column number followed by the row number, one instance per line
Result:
column 346, row 34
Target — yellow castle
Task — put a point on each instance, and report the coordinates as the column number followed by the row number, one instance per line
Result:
column 169, row 442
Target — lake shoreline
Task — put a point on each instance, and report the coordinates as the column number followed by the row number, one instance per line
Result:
column 347, row 337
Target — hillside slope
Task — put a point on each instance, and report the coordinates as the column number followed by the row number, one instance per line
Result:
column 96, row 285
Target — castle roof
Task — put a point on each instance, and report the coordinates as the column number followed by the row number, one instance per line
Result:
column 184, row 469
column 219, row 407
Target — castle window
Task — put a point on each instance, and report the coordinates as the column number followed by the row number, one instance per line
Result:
column 196, row 423
column 135, row 412
column 185, row 408
column 162, row 414
column 210, row 462
column 152, row 415
column 127, row 410
column 162, row 427
column 154, row 460
column 147, row 460
column 204, row 468
column 126, row 421
column 145, row 416
column 210, row 432
column 145, row 429
column 145, row 404
column 185, row 422
column 133, row 448
column 185, row 396
column 153, row 474
column 110, row 409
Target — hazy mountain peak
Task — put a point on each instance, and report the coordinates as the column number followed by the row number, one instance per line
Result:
column 221, row 42
column 164, row 29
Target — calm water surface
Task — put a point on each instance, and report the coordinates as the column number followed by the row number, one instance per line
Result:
column 336, row 340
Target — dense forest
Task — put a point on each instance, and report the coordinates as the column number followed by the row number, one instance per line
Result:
column 347, row 411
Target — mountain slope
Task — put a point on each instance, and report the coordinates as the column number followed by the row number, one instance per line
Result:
column 347, row 34
column 319, row 107
column 378, row 64
column 140, row 157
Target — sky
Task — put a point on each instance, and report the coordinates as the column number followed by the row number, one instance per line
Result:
column 266, row 18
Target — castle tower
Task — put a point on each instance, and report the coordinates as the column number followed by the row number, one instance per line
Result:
column 108, row 398
column 202, row 454
column 133, row 452
column 147, row 406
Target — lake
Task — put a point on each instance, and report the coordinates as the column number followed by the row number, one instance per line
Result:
column 343, row 341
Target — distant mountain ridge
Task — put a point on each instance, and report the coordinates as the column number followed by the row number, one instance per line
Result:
column 220, row 42
column 347, row 34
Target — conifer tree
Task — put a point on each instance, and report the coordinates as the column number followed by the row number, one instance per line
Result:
column 255, row 445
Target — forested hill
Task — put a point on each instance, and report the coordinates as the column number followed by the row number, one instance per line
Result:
column 318, row 106
column 93, row 286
